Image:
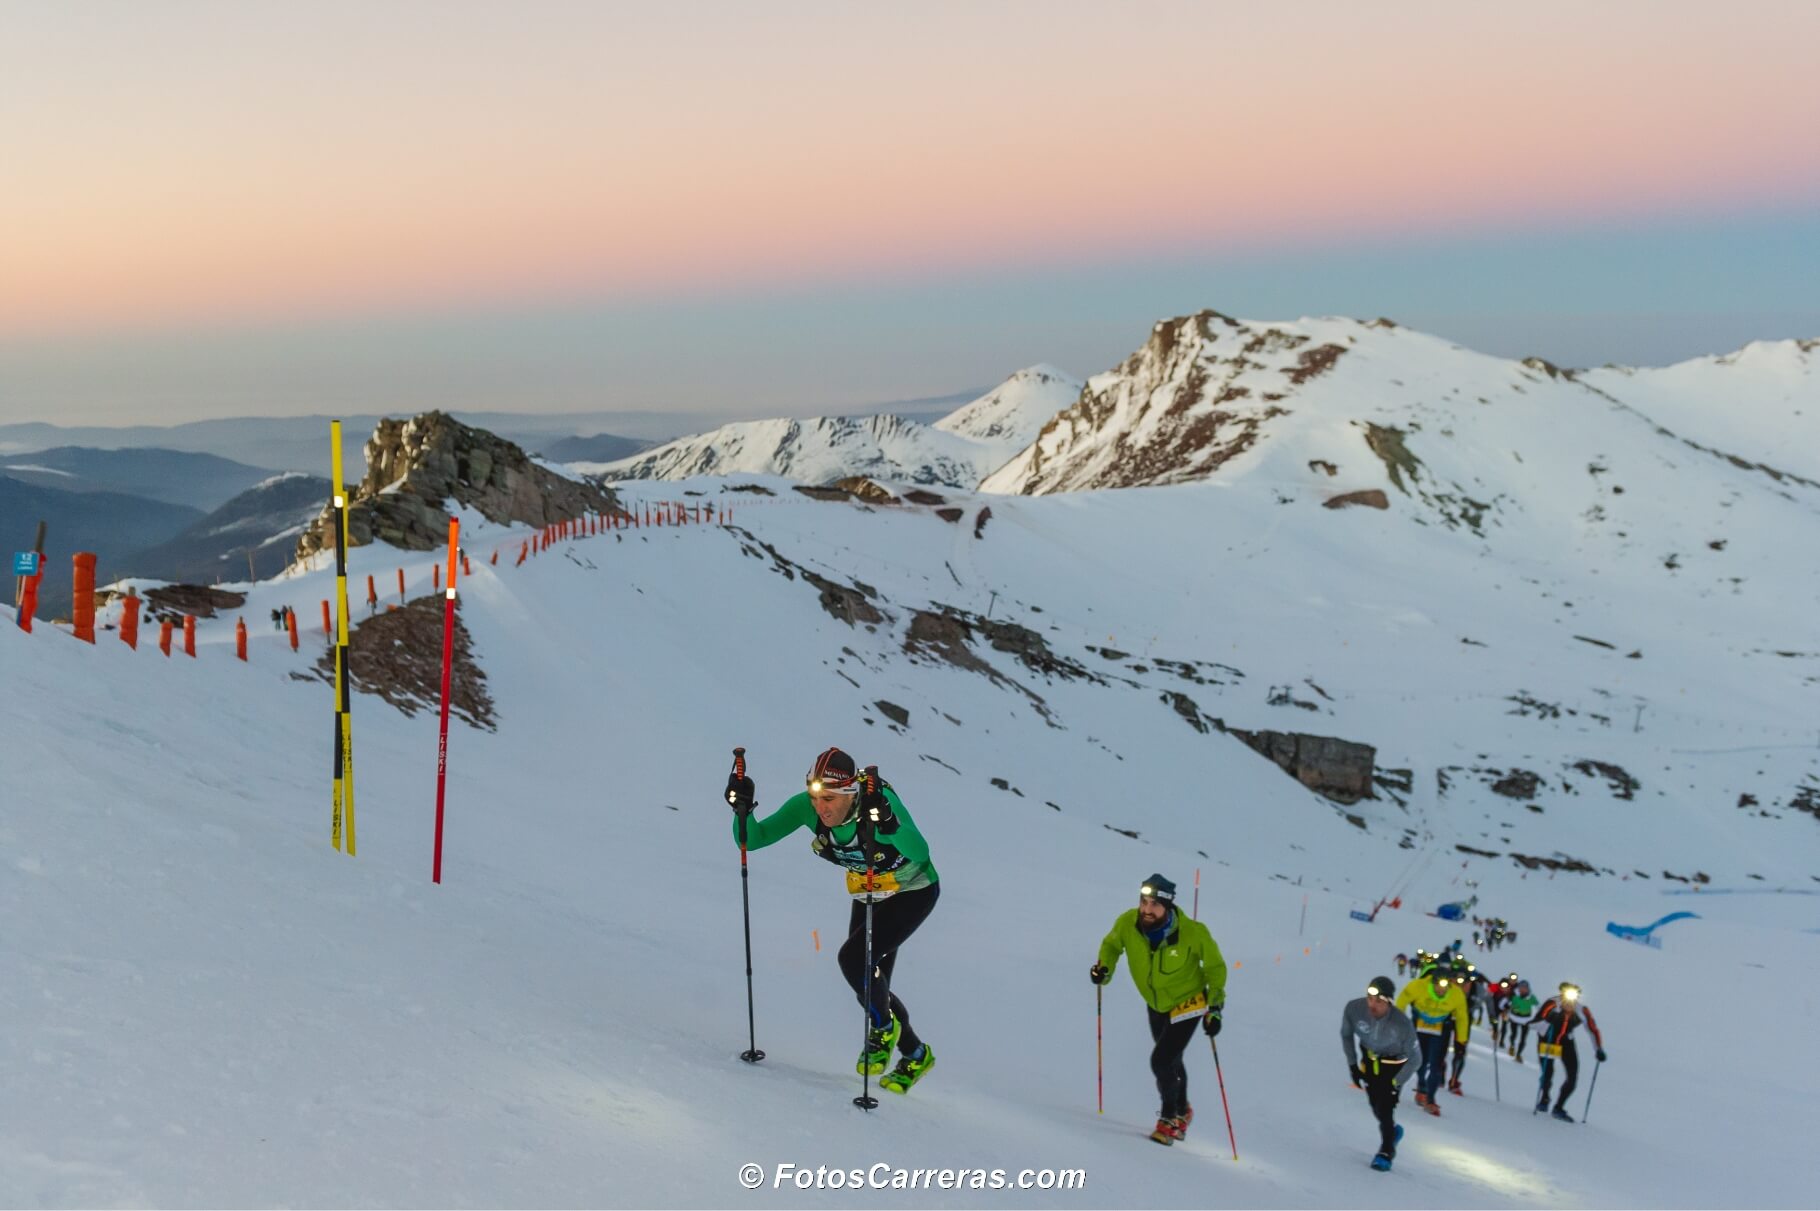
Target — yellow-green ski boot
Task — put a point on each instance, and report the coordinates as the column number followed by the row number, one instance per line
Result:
column 908, row 1071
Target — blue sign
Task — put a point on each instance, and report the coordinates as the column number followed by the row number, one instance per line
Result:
column 25, row 563
column 1361, row 916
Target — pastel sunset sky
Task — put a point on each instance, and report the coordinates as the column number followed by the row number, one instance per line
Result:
column 217, row 209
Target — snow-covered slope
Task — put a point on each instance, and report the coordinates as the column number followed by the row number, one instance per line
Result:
column 207, row 1005
column 956, row 452
column 1212, row 396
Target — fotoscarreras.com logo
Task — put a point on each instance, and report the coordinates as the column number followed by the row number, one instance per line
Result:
column 885, row 1176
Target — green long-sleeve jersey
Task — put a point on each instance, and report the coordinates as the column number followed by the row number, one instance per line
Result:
column 900, row 859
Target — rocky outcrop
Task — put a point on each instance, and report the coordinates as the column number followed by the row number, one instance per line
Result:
column 1339, row 769
column 1370, row 497
column 416, row 466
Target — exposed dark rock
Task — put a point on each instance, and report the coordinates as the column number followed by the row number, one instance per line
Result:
column 850, row 605
column 414, row 466
column 1321, row 464
column 397, row 654
column 1370, row 497
column 1483, row 853
column 893, row 712
column 1517, row 784
column 755, row 489
column 979, row 521
column 866, row 490
column 1187, row 709
column 1623, row 786
column 951, row 515
column 1311, row 363
column 1574, row 865
column 821, row 493
column 1341, row 770
column 1123, row 832
column 173, row 601
column 922, row 496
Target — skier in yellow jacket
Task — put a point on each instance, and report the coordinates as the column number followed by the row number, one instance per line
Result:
column 1430, row 1001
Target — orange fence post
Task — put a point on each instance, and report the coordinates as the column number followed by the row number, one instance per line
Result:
column 164, row 636
column 189, row 634
column 465, row 569
column 524, row 549
column 290, row 622
column 495, row 559
column 436, row 577
column 325, row 618
column 400, row 586
column 82, row 610
column 129, row 622
column 240, row 638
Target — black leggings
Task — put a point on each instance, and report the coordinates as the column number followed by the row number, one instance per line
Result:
column 1381, row 1089
column 1166, row 1060
column 894, row 919
column 1570, row 1060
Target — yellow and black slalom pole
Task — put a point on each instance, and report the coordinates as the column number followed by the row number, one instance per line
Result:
column 344, row 725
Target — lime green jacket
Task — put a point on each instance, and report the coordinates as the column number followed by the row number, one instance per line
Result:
column 903, row 855
column 1186, row 963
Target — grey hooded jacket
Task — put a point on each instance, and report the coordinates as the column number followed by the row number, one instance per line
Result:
column 1390, row 1037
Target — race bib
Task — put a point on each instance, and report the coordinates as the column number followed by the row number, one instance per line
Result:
column 883, row 884
column 1194, row 1007
column 1548, row 1050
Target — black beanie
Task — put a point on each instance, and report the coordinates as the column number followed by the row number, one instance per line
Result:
column 1159, row 888
column 1385, row 986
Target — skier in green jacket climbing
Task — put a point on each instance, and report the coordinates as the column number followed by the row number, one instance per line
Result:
column 844, row 817
column 1176, row 965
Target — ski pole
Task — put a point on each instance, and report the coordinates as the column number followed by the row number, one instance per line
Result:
column 752, row 1054
column 1099, row 1032
column 1223, row 1104
column 1497, row 1087
column 1591, row 1085
column 865, row 1100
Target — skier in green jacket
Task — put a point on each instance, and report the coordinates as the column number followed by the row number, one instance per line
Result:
column 861, row 831
column 1176, row 965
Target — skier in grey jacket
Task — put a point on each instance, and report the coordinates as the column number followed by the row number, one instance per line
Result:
column 1374, row 1025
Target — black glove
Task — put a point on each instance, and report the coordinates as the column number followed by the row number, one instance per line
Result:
column 1101, row 975
column 740, row 793
column 1356, row 1074
column 873, row 806
column 1599, row 1055
column 1211, row 1022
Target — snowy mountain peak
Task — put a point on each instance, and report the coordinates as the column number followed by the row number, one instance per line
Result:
column 1015, row 411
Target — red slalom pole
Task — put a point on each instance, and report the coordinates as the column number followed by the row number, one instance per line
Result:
column 448, row 659
column 1223, row 1104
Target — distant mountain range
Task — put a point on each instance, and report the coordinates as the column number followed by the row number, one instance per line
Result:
column 177, row 477
column 254, row 531
column 956, row 451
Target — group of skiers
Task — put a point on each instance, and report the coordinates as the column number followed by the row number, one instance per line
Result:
column 1412, row 1035
column 1489, row 933
column 861, row 825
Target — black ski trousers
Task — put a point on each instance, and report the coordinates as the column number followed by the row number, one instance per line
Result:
column 1381, row 1089
column 1166, row 1060
column 894, row 919
column 1570, row 1060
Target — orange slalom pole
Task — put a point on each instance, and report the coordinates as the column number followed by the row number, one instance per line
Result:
column 372, row 593
column 189, row 635
column 400, row 586
column 325, row 618
column 240, row 639
column 164, row 636
column 129, row 622
column 290, row 623
column 82, row 608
